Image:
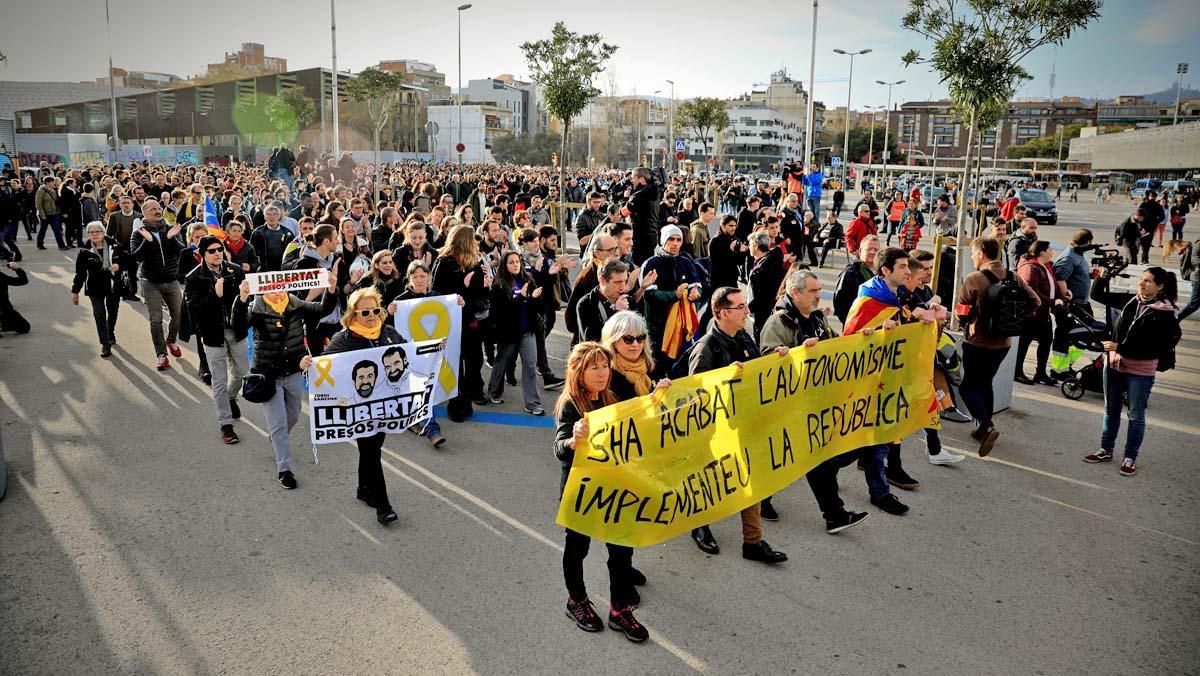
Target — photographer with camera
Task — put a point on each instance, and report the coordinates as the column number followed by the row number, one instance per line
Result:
column 643, row 209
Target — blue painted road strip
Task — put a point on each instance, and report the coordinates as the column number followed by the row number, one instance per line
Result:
column 499, row 418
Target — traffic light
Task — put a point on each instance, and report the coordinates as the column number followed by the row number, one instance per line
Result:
column 554, row 159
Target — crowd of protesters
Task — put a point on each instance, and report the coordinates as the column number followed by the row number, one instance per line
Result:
column 674, row 275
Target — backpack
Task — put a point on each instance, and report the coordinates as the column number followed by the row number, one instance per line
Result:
column 1005, row 308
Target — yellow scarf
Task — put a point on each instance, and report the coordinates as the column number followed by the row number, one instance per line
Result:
column 279, row 306
column 363, row 331
column 635, row 372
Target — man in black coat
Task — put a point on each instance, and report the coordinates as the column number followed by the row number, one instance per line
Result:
column 726, row 254
column 748, row 217
column 209, row 291
column 643, row 215
column 604, row 301
column 155, row 245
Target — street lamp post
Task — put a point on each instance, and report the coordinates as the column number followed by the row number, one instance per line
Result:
column 112, row 96
column 337, row 149
column 871, row 143
column 812, row 85
column 671, row 131
column 887, row 121
column 1180, row 69
column 846, row 138
column 461, row 9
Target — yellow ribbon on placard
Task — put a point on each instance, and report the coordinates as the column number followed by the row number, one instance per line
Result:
column 441, row 330
column 324, row 366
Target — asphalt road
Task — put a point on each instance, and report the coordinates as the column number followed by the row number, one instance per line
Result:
column 133, row 541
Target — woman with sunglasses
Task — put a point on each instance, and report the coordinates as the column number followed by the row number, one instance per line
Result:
column 516, row 318
column 624, row 335
column 589, row 372
column 366, row 326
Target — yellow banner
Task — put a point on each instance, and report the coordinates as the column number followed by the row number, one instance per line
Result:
column 717, row 442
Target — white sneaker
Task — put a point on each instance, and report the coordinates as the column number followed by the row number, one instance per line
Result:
column 945, row 458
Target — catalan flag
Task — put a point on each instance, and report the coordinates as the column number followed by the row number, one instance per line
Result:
column 680, row 331
column 211, row 220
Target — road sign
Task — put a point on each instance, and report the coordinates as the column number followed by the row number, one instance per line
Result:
column 835, row 161
column 431, row 128
column 711, row 163
column 680, row 146
column 148, row 151
column 461, row 147
column 887, row 154
column 679, row 155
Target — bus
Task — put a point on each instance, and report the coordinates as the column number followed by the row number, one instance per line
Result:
column 1144, row 184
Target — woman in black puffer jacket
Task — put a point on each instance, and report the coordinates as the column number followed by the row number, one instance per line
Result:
column 280, row 353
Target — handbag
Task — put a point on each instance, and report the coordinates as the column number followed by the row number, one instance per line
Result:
column 258, row 388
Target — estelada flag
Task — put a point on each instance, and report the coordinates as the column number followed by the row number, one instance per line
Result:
column 682, row 323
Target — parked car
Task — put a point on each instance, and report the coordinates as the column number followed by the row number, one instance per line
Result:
column 1040, row 205
column 929, row 195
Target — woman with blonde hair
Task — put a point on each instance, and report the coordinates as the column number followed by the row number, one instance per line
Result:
column 589, row 371
column 385, row 278
column 457, row 270
column 365, row 327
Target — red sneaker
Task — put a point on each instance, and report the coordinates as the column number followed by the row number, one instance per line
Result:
column 163, row 364
column 1128, row 467
column 174, row 350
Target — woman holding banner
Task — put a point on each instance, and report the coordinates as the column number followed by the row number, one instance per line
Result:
column 366, row 327
column 625, row 335
column 417, row 281
column 589, row 372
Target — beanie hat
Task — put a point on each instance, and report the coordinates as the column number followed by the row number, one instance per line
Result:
column 207, row 241
column 667, row 232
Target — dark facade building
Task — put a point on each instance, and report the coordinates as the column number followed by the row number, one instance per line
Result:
column 920, row 126
column 223, row 114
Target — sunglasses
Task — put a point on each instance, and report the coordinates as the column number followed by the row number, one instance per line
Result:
column 633, row 340
column 216, row 250
column 369, row 312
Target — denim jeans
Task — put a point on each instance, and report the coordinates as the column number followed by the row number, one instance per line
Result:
column 282, row 412
column 8, row 233
column 814, row 205
column 506, row 353
column 228, row 364
column 55, row 223
column 155, row 295
column 1194, row 303
column 1116, row 385
column 873, row 457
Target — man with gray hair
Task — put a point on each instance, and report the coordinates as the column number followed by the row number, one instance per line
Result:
column 271, row 239
column 798, row 321
column 156, row 246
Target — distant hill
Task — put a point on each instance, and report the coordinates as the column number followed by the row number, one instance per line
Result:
column 1164, row 97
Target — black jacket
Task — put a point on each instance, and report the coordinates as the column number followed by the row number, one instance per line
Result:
column 247, row 255
column 786, row 327
column 279, row 339
column 159, row 256
column 591, row 313
column 269, row 245
column 725, row 262
column 852, row 277
column 717, row 349
column 1146, row 330
column 6, row 281
column 765, row 278
column 588, row 222
column 348, row 341
column 448, row 278
column 189, row 259
column 513, row 315
column 92, row 276
column 745, row 224
column 212, row 314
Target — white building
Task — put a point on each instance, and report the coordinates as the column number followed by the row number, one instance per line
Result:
column 759, row 137
column 481, row 125
column 522, row 99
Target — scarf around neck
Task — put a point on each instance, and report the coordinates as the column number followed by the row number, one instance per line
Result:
column 368, row 333
column 635, row 372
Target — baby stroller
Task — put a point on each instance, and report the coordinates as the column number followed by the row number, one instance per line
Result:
column 1088, row 334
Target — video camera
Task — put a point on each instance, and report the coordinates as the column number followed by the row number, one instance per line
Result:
column 1110, row 261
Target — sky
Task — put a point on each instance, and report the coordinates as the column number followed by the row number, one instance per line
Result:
column 708, row 48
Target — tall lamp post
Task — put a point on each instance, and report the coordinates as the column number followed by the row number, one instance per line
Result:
column 337, row 148
column 810, row 124
column 461, row 9
column 846, row 138
column 871, row 143
column 887, row 121
column 671, row 131
column 1181, row 69
column 649, row 120
column 112, row 96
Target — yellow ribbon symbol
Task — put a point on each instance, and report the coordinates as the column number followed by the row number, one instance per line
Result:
column 447, row 377
column 324, row 366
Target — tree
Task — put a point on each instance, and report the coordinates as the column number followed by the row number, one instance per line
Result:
column 703, row 115
column 861, row 143
column 376, row 90
column 1048, row 146
column 564, row 65
column 532, row 149
column 289, row 112
column 978, row 47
